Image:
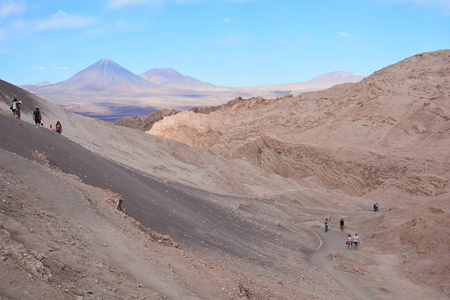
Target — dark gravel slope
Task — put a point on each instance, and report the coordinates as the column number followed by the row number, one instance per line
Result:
column 188, row 217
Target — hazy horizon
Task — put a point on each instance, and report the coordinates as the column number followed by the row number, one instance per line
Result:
column 234, row 43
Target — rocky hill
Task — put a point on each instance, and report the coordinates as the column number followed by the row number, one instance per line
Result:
column 385, row 138
column 145, row 122
column 402, row 109
column 242, row 208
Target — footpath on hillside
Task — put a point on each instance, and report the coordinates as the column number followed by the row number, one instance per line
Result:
column 333, row 241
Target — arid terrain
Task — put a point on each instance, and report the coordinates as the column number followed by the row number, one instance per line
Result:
column 229, row 203
column 108, row 91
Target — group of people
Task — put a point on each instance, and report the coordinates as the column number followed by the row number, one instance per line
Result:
column 350, row 240
column 16, row 108
column 38, row 120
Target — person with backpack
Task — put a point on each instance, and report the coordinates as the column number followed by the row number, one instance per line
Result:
column 18, row 109
column 37, row 117
column 14, row 107
column 58, row 127
column 327, row 223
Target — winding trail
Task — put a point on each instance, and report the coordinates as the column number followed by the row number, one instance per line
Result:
column 333, row 241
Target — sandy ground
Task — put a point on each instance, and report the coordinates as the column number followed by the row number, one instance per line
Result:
column 247, row 224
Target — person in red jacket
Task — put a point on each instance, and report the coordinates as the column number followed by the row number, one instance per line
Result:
column 58, row 127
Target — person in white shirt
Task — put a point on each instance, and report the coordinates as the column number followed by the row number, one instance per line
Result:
column 349, row 241
column 356, row 240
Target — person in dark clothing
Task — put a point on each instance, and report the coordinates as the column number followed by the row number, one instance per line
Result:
column 37, row 116
column 342, row 224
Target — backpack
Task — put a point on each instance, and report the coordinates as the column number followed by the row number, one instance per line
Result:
column 39, row 117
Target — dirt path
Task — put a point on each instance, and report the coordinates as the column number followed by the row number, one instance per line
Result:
column 333, row 241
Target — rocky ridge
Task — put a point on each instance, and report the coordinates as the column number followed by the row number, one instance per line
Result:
column 385, row 138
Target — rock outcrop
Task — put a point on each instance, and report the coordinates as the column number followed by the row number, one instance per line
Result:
column 145, row 122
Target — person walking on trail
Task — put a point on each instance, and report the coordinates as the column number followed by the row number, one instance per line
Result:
column 58, row 127
column 37, row 117
column 349, row 241
column 356, row 240
column 14, row 107
column 341, row 222
column 376, row 206
column 18, row 109
column 327, row 223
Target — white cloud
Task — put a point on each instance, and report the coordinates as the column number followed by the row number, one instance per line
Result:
column 344, row 34
column 60, row 68
column 63, row 22
column 59, row 13
column 41, row 68
column 226, row 20
column 9, row 8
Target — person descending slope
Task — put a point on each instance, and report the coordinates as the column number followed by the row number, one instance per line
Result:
column 58, row 127
column 18, row 109
column 14, row 107
column 37, row 117
column 341, row 222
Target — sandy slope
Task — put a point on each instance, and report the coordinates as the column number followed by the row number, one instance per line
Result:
column 63, row 230
column 384, row 138
column 249, row 213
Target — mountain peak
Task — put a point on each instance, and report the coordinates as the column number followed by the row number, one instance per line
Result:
column 337, row 77
column 169, row 76
column 102, row 75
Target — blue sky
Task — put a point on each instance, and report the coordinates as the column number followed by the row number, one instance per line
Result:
column 224, row 42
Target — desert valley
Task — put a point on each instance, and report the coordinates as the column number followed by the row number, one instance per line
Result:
column 108, row 91
column 228, row 200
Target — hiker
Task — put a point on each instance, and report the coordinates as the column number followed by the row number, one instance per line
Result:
column 58, row 127
column 51, row 128
column 349, row 241
column 342, row 224
column 14, row 107
column 37, row 116
column 376, row 206
column 18, row 109
column 327, row 222
column 356, row 240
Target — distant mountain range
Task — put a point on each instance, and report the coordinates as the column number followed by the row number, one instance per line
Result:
column 108, row 91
